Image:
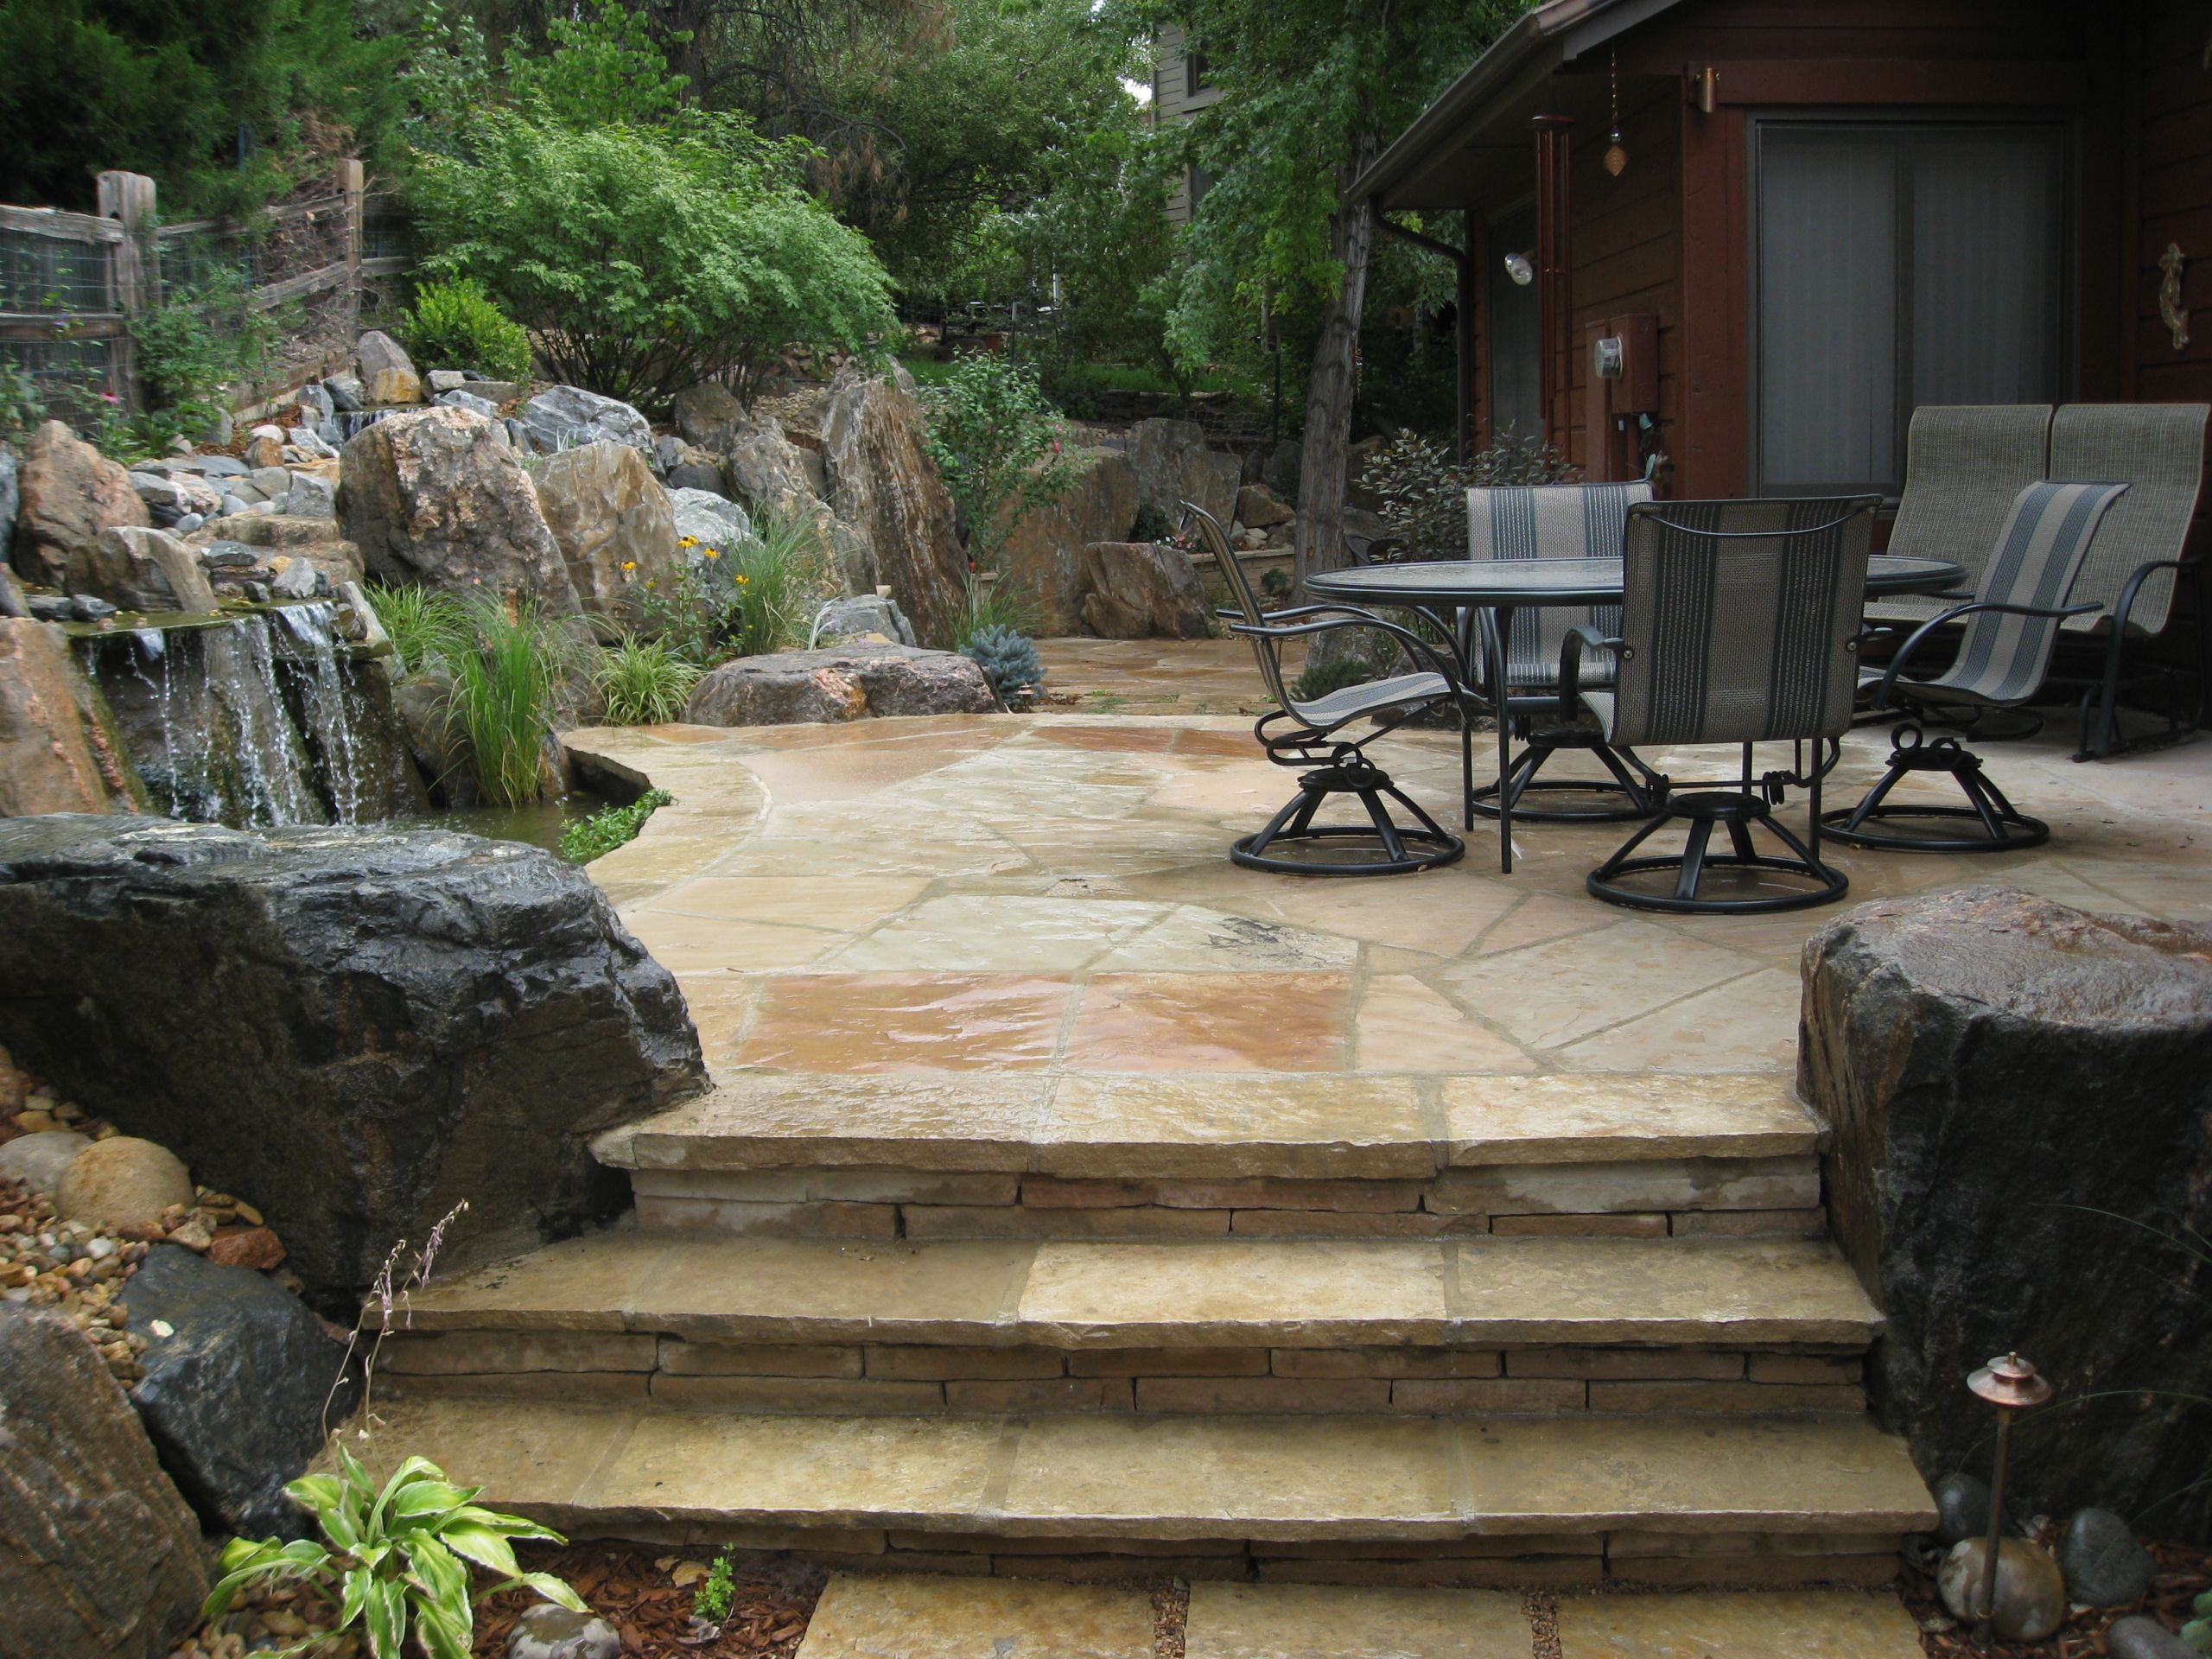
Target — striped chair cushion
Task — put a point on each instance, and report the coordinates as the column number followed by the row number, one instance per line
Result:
column 1964, row 464
column 1739, row 619
column 1550, row 521
column 2037, row 560
column 2157, row 449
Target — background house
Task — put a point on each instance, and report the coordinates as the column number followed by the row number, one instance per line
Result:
column 1179, row 91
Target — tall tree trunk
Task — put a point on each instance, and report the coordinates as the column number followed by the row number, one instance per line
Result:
column 1324, row 458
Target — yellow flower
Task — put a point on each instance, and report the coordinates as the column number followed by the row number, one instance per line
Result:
column 687, row 540
column 714, row 552
column 629, row 564
column 741, row 578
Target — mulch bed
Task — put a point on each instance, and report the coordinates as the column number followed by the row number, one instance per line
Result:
column 2185, row 1573
column 633, row 1591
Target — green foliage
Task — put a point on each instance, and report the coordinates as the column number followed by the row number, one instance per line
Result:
column 23, row 404
column 203, row 338
column 998, row 447
column 1332, row 674
column 397, row 1561
column 1276, row 583
column 711, row 1600
column 642, row 259
column 455, row 325
column 1009, row 661
column 226, row 107
column 644, row 682
column 610, row 827
column 2198, row 1632
column 508, row 684
column 422, row 626
column 742, row 600
column 1422, row 485
column 447, row 77
column 1152, row 523
column 602, row 67
column 989, row 605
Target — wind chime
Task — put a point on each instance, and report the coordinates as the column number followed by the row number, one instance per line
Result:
column 1616, row 152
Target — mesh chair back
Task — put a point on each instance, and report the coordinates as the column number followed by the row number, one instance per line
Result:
column 2037, row 560
column 1549, row 521
column 1240, row 596
column 1740, row 620
column 1964, row 466
column 2157, row 449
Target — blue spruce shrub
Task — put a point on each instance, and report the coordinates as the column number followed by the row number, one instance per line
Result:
column 1009, row 661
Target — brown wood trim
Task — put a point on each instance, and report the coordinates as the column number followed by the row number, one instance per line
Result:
column 1900, row 80
column 63, row 226
column 1711, row 446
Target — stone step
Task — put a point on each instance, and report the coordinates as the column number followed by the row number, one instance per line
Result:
column 1539, row 1500
column 1158, row 1156
column 1400, row 1325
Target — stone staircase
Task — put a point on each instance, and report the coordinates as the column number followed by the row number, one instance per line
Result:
column 1541, row 1332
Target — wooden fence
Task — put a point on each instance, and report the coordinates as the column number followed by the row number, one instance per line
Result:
column 71, row 285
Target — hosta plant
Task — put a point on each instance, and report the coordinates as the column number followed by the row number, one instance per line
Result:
column 395, row 1561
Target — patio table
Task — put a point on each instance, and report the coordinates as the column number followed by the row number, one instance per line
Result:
column 1485, row 593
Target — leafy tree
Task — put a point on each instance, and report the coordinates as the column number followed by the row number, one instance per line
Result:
column 1312, row 90
column 224, row 107
column 643, row 259
column 600, row 67
column 998, row 447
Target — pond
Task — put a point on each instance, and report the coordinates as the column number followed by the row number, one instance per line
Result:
column 539, row 824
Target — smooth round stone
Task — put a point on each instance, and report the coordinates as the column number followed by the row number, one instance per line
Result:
column 2104, row 1564
column 123, row 1182
column 550, row 1632
column 40, row 1160
column 2031, row 1594
column 2139, row 1638
column 1961, row 1507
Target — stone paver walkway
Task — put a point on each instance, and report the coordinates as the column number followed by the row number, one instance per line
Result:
column 919, row 1617
column 1043, row 895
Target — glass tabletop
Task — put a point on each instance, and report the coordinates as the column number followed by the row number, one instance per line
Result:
column 1507, row 582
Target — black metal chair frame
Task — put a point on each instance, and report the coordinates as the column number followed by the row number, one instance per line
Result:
column 1335, row 766
column 1736, row 807
column 2004, row 828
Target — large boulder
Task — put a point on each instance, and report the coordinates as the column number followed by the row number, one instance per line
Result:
column 1174, row 465
column 845, row 682
column 59, row 751
column 709, row 519
column 883, row 483
column 70, row 493
column 135, row 569
column 1043, row 557
column 2013, row 1085
column 11, row 499
column 100, row 1557
column 613, row 524
column 388, row 374
column 1141, row 590
column 710, row 416
column 378, row 1023
column 440, row 498
column 568, row 417
column 238, row 1373
column 776, row 477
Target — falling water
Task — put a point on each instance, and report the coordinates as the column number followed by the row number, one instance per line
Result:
column 326, row 699
column 351, row 420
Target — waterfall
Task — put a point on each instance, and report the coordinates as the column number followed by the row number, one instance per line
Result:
column 258, row 719
column 350, row 421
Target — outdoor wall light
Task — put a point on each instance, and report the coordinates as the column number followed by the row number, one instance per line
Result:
column 1522, row 268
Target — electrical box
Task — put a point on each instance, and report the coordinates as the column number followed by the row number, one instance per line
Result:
column 1620, row 396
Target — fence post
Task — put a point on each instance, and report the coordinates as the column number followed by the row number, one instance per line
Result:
column 134, row 270
column 351, row 180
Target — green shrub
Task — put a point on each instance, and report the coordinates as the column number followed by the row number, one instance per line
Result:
column 711, row 1600
column 1423, row 486
column 644, row 259
column 1333, row 675
column 998, row 447
column 644, row 682
column 455, row 325
column 610, row 827
column 1152, row 523
column 22, row 402
column 753, row 597
column 421, row 625
column 991, row 605
column 507, row 686
column 1009, row 661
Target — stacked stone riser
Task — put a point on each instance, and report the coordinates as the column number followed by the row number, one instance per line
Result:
column 907, row 1380
column 1678, row 1197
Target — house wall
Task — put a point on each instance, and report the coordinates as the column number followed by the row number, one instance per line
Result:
column 1172, row 100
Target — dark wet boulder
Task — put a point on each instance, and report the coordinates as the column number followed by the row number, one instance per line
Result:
column 360, row 1027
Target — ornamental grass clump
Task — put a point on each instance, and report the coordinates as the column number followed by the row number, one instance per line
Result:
column 644, row 682
column 507, row 689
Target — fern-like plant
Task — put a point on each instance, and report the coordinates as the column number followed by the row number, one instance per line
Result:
column 394, row 1560
column 1009, row 661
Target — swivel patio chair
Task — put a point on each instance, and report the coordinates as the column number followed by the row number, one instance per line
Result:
column 1305, row 734
column 1739, row 625
column 2135, row 561
column 1556, row 521
column 2011, row 628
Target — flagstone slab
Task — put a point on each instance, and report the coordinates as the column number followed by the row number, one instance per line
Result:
column 1286, row 1621
column 1604, row 1117
column 915, row 1021
column 910, row 1616
column 1319, row 1128
column 1767, row 1624
column 963, row 1122
column 1213, row 1022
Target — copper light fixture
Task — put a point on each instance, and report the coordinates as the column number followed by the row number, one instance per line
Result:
column 2012, row 1385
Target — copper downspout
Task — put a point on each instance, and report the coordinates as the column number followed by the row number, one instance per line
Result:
column 1554, row 282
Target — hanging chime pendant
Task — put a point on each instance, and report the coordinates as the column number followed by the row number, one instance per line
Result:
column 1616, row 159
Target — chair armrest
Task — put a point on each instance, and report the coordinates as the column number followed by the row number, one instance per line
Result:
column 2143, row 573
column 1905, row 651
column 1355, row 618
column 1580, row 638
